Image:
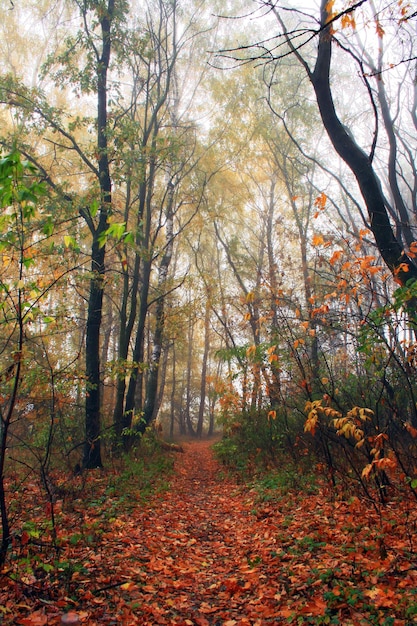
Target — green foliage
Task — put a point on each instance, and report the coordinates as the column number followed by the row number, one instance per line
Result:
column 255, row 441
column 138, row 480
column 277, row 483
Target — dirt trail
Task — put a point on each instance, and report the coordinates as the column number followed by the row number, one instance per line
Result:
column 200, row 549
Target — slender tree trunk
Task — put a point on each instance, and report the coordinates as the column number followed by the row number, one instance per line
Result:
column 203, row 384
column 132, row 404
column 188, row 394
column 4, row 426
column 92, row 449
column 173, row 392
column 152, row 383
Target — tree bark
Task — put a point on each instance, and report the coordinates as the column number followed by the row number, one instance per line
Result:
column 92, row 449
column 360, row 163
column 152, row 383
column 203, row 384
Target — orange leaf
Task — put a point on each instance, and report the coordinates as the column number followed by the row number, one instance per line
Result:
column 348, row 20
column 363, row 232
column 36, row 619
column 366, row 472
column 320, row 201
column 379, row 30
column 24, row 539
column 317, row 240
column 335, row 256
column 403, row 267
column 411, row 429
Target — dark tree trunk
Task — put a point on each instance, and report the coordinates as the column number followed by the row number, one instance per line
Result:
column 92, row 449
column 92, row 453
column 360, row 163
column 152, row 383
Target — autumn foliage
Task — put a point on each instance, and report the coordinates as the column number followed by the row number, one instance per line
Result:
column 207, row 550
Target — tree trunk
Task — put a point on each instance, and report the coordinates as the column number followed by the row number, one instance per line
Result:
column 92, row 450
column 152, row 383
column 360, row 164
column 203, row 384
column 188, row 395
column 173, row 391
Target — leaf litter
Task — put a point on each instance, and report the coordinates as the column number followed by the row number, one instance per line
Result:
column 211, row 552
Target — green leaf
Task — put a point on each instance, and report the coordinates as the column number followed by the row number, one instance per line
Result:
column 94, row 206
column 129, row 238
column 48, row 227
column 116, row 230
column 28, row 262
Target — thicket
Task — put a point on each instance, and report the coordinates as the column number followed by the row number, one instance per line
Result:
column 335, row 388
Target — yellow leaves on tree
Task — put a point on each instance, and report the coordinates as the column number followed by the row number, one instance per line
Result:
column 348, row 21
column 315, row 410
column 349, row 426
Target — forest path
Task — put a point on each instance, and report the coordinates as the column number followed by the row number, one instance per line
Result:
column 210, row 552
column 201, row 546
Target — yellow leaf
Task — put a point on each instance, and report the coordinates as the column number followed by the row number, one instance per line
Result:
column 366, row 472
column 127, row 586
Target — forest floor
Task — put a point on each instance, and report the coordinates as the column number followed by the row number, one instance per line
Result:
column 209, row 551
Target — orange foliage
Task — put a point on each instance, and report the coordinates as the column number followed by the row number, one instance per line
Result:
column 208, row 551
